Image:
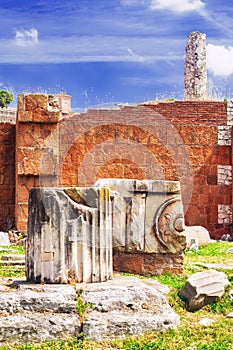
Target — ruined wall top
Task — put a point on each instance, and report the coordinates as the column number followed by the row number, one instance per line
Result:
column 195, row 79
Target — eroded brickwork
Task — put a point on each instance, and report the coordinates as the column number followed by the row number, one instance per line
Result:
column 7, row 175
column 37, row 120
column 181, row 140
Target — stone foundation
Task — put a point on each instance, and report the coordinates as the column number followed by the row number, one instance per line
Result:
column 148, row 264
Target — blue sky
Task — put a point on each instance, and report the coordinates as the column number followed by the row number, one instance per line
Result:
column 116, row 51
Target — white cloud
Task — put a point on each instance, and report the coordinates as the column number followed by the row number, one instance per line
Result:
column 134, row 2
column 26, row 37
column 179, row 6
column 97, row 48
column 220, row 60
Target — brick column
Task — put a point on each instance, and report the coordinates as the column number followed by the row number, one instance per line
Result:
column 37, row 119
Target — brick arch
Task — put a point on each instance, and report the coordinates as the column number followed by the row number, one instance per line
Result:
column 120, row 168
column 129, row 146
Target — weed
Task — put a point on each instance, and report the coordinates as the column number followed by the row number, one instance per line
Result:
column 81, row 306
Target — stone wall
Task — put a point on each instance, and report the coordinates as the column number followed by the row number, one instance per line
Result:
column 7, row 175
column 189, row 141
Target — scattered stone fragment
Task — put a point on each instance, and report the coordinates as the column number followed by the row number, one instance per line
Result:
column 214, row 266
column 4, row 239
column 198, row 233
column 15, row 236
column 205, row 321
column 230, row 250
column 226, row 238
column 230, row 315
column 13, row 259
column 203, row 288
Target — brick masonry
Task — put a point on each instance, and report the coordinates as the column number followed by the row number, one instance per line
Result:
column 188, row 141
column 7, row 175
column 169, row 140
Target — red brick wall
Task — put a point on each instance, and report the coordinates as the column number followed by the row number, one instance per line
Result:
column 170, row 140
column 173, row 141
column 7, row 175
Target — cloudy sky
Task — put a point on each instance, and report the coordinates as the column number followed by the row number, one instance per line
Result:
column 102, row 52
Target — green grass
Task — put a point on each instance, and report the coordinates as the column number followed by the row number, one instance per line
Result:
column 189, row 335
column 14, row 270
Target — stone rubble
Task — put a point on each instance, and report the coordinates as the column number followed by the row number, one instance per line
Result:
column 200, row 233
column 214, row 266
column 12, row 259
column 203, row 288
column 206, row 321
column 4, row 239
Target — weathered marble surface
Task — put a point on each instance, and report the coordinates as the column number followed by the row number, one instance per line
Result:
column 68, row 240
column 195, row 82
column 115, row 309
column 71, row 230
column 203, row 288
column 147, row 215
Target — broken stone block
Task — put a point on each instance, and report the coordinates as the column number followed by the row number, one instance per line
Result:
column 203, row 288
column 205, row 321
column 197, row 232
column 68, row 240
column 4, row 239
column 71, row 231
column 148, row 215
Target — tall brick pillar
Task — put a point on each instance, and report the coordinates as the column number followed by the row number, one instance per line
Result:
column 195, row 76
column 37, row 121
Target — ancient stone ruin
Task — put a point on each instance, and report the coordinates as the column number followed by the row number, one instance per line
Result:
column 72, row 231
column 88, row 216
column 195, row 82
